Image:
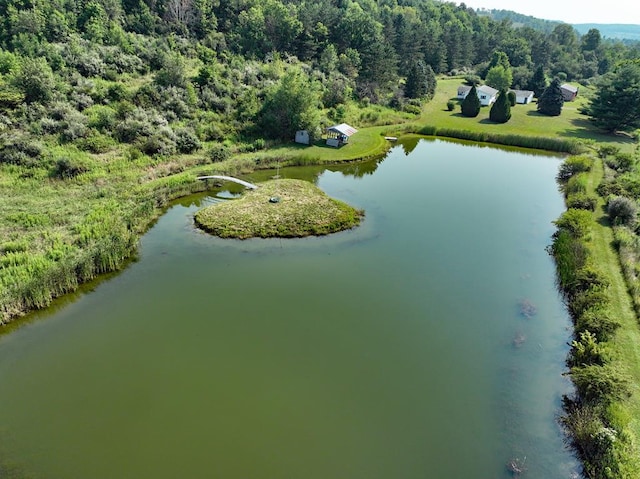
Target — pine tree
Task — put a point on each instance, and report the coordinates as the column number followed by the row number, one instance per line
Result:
column 421, row 81
column 416, row 83
column 471, row 104
column 432, row 82
column 538, row 82
column 501, row 109
column 551, row 101
column 616, row 104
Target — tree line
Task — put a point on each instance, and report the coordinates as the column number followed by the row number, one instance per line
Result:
column 218, row 68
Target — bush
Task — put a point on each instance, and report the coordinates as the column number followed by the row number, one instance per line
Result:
column 96, row 142
column 581, row 201
column 20, row 151
column 218, row 152
column 599, row 384
column 511, row 96
column 187, row 141
column 576, row 222
column 585, row 350
column 622, row 211
column 66, row 168
column 570, row 255
column 607, row 150
column 621, row 162
column 576, row 185
column 157, row 144
column 451, row 105
column 574, row 165
column 598, row 321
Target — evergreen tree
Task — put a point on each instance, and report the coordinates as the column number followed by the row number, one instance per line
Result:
column 471, row 103
column 551, row 101
column 432, row 82
column 538, row 82
column 616, row 104
column 416, row 83
column 501, row 109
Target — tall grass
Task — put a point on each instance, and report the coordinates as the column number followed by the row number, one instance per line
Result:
column 524, row 141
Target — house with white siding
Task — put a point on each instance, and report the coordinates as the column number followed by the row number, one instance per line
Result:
column 486, row 94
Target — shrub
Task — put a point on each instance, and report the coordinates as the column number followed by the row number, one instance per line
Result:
column 576, row 222
column 101, row 117
column 577, row 184
column 599, row 384
column 607, row 150
column 621, row 162
column 511, row 96
column 585, row 350
column 66, row 168
column 581, row 201
column 622, row 210
column 96, row 142
column 20, row 151
column 574, row 165
column 218, row 152
column 570, row 255
column 186, row 140
column 451, row 105
column 158, row 144
column 598, row 321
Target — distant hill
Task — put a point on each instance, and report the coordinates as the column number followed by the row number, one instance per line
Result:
column 520, row 20
column 612, row 31
column 617, row 31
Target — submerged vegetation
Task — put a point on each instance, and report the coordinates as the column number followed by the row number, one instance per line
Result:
column 279, row 209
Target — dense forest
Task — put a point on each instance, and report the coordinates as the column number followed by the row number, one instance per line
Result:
column 166, row 75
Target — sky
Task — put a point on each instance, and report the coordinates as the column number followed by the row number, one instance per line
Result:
column 568, row 11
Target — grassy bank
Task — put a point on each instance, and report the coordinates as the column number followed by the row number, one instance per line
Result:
column 602, row 417
column 279, row 209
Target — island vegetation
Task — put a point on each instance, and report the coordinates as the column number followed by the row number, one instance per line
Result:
column 280, row 208
column 111, row 108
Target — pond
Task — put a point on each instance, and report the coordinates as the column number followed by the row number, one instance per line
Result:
column 428, row 342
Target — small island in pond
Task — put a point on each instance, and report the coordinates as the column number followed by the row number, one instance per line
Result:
column 282, row 208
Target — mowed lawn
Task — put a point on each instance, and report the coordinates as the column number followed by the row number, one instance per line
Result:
column 525, row 120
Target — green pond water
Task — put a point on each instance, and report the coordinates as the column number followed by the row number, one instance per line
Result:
column 397, row 350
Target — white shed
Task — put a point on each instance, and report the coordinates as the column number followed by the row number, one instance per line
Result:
column 523, row 96
column 303, row 137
